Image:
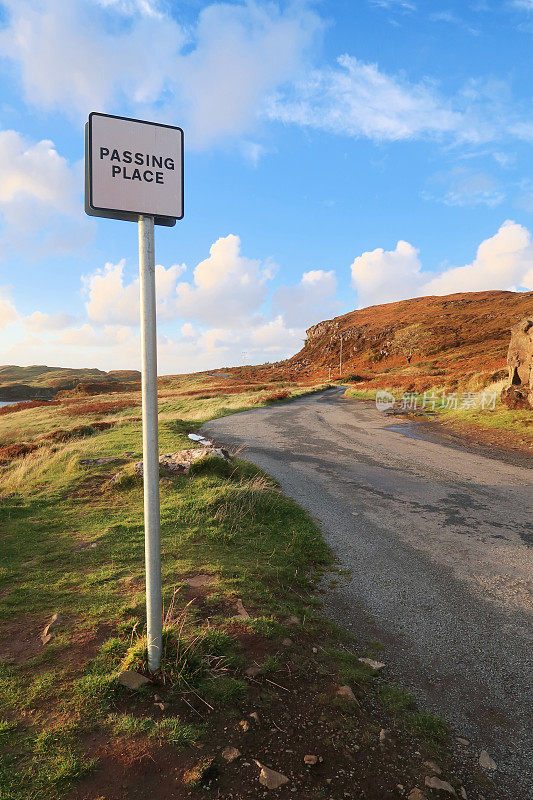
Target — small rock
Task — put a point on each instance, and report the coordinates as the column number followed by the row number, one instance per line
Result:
column 196, row 581
column 131, row 679
column 432, row 782
column 383, row 735
column 293, row 621
column 372, row 663
column 416, row 794
column 462, row 741
column 433, row 767
column 241, row 611
column 346, row 693
column 55, row 622
column 486, row 761
column 245, row 725
column 253, row 671
column 161, row 706
column 462, row 792
column 230, row 754
column 84, row 546
column 270, row 778
column 310, row 760
column 287, row 642
column 255, row 716
column 315, row 649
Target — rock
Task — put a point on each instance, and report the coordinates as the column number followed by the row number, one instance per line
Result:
column 416, row 794
column 519, row 392
column 486, row 761
column 433, row 767
column 253, row 671
column 241, row 611
column 230, row 754
column 84, row 546
column 310, row 760
column 462, row 741
column 179, row 463
column 287, row 642
column 255, row 716
column 462, row 792
column 432, row 782
column 371, row 663
column 346, row 693
column 293, row 621
column 96, row 462
column 131, row 679
column 383, row 735
column 270, row 778
column 315, row 649
column 55, row 622
column 196, row 581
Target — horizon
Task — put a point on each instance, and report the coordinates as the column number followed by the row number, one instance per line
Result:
column 336, row 158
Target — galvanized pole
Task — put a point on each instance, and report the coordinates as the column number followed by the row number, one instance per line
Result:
column 152, row 534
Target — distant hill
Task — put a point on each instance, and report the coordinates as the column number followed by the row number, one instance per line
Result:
column 464, row 335
column 20, row 383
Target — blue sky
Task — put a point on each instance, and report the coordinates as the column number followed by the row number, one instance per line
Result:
column 338, row 154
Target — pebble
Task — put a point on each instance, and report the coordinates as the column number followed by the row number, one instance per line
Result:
column 131, row 679
column 270, row 778
column 486, row 761
column 371, row 663
column 346, row 693
column 230, row 754
column 435, row 783
column 310, row 760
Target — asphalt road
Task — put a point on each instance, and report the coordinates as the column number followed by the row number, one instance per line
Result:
column 438, row 540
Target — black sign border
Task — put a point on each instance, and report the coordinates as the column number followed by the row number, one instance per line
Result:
column 113, row 213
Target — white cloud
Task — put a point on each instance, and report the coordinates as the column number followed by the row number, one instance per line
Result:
column 381, row 276
column 39, row 205
column 39, row 321
column 8, row 312
column 119, row 54
column 303, row 304
column 357, row 99
column 526, row 5
column 228, row 288
column 464, row 186
column 111, row 300
column 504, row 261
column 403, row 5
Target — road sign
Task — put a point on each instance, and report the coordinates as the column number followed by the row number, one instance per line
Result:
column 134, row 172
column 133, row 167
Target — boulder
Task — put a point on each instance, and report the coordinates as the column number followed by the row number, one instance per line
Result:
column 180, row 463
column 519, row 392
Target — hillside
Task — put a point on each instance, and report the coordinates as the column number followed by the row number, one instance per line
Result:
column 464, row 335
column 43, row 382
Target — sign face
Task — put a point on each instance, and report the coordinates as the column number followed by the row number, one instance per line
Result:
column 133, row 167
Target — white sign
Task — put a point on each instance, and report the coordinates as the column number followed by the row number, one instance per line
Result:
column 133, row 167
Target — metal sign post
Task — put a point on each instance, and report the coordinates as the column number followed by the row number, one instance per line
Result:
column 152, row 532
column 134, row 172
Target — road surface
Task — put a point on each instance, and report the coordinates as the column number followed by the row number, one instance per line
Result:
column 438, row 540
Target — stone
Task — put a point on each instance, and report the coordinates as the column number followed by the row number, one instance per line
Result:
column 432, row 782
column 371, row 663
column 84, row 546
column 132, row 679
column 383, row 735
column 293, row 621
column 416, row 794
column 310, row 760
column 486, row 761
column 230, row 754
column 519, row 392
column 346, row 693
column 196, row 581
column 462, row 792
column 287, row 642
column 253, row 671
column 433, row 767
column 179, row 463
column 270, row 778
column 255, row 716
column 241, row 611
column 55, row 622
column 462, row 741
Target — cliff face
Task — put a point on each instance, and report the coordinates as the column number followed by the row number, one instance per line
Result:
column 464, row 333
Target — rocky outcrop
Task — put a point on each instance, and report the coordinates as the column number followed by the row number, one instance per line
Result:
column 519, row 392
